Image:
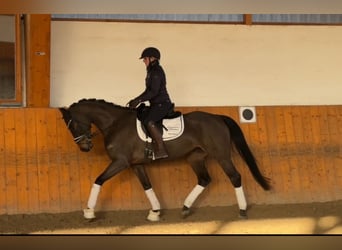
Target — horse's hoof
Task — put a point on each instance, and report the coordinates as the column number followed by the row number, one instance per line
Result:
column 153, row 216
column 243, row 214
column 88, row 213
column 185, row 212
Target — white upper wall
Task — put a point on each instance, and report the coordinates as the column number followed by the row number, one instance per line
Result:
column 205, row 64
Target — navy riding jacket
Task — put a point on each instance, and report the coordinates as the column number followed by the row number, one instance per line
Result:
column 155, row 81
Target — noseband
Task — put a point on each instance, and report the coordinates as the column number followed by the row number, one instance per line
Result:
column 86, row 136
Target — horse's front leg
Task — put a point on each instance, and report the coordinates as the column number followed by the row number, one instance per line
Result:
column 113, row 168
column 154, row 213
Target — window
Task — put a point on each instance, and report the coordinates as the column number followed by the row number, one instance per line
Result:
column 10, row 61
column 327, row 19
column 214, row 18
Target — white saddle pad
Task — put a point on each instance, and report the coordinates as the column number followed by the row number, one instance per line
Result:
column 174, row 129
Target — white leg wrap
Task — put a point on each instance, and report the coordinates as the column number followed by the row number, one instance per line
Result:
column 94, row 193
column 241, row 198
column 153, row 199
column 193, row 195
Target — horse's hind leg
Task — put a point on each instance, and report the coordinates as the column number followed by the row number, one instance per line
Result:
column 235, row 178
column 197, row 161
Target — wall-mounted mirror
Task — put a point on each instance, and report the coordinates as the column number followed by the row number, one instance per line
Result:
column 10, row 63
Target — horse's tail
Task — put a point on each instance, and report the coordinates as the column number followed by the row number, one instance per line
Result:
column 242, row 147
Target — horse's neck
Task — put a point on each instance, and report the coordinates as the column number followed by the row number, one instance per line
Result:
column 105, row 118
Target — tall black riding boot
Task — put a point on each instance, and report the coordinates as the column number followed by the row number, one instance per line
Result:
column 157, row 141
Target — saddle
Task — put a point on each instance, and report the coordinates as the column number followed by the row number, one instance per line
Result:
column 172, row 125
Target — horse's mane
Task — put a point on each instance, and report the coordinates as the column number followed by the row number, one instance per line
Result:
column 99, row 101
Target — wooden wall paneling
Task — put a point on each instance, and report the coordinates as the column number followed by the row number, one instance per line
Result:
column 273, row 153
column 135, row 188
column 54, row 160
column 74, row 176
column 163, row 182
column 125, row 178
column 282, row 131
column 177, row 173
column 10, row 162
column 3, row 204
column 43, row 160
column 292, row 157
column 32, row 160
column 20, row 155
column 329, row 133
column 317, row 153
column 112, row 189
column 187, row 182
column 333, row 148
column 43, row 170
column 268, row 163
column 309, row 164
column 67, row 162
column 301, row 149
column 320, row 131
column 278, row 136
column 190, row 181
column 338, row 160
column 38, row 29
column 166, row 181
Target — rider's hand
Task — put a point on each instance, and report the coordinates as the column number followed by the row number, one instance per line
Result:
column 133, row 103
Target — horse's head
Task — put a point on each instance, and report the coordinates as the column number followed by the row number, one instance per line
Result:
column 80, row 128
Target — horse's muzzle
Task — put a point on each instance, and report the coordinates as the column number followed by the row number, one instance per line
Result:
column 85, row 146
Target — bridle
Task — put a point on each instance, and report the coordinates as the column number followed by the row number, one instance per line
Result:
column 85, row 138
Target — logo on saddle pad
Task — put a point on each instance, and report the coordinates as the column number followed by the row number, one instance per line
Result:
column 172, row 129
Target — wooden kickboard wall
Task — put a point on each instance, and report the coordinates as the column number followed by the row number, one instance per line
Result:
column 43, row 171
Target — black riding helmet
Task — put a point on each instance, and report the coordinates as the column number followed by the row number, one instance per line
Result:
column 150, row 52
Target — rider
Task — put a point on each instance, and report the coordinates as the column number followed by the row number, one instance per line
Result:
column 158, row 97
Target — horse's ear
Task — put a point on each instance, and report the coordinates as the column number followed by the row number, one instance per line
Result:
column 65, row 113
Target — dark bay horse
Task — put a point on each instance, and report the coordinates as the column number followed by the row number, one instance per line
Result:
column 205, row 136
